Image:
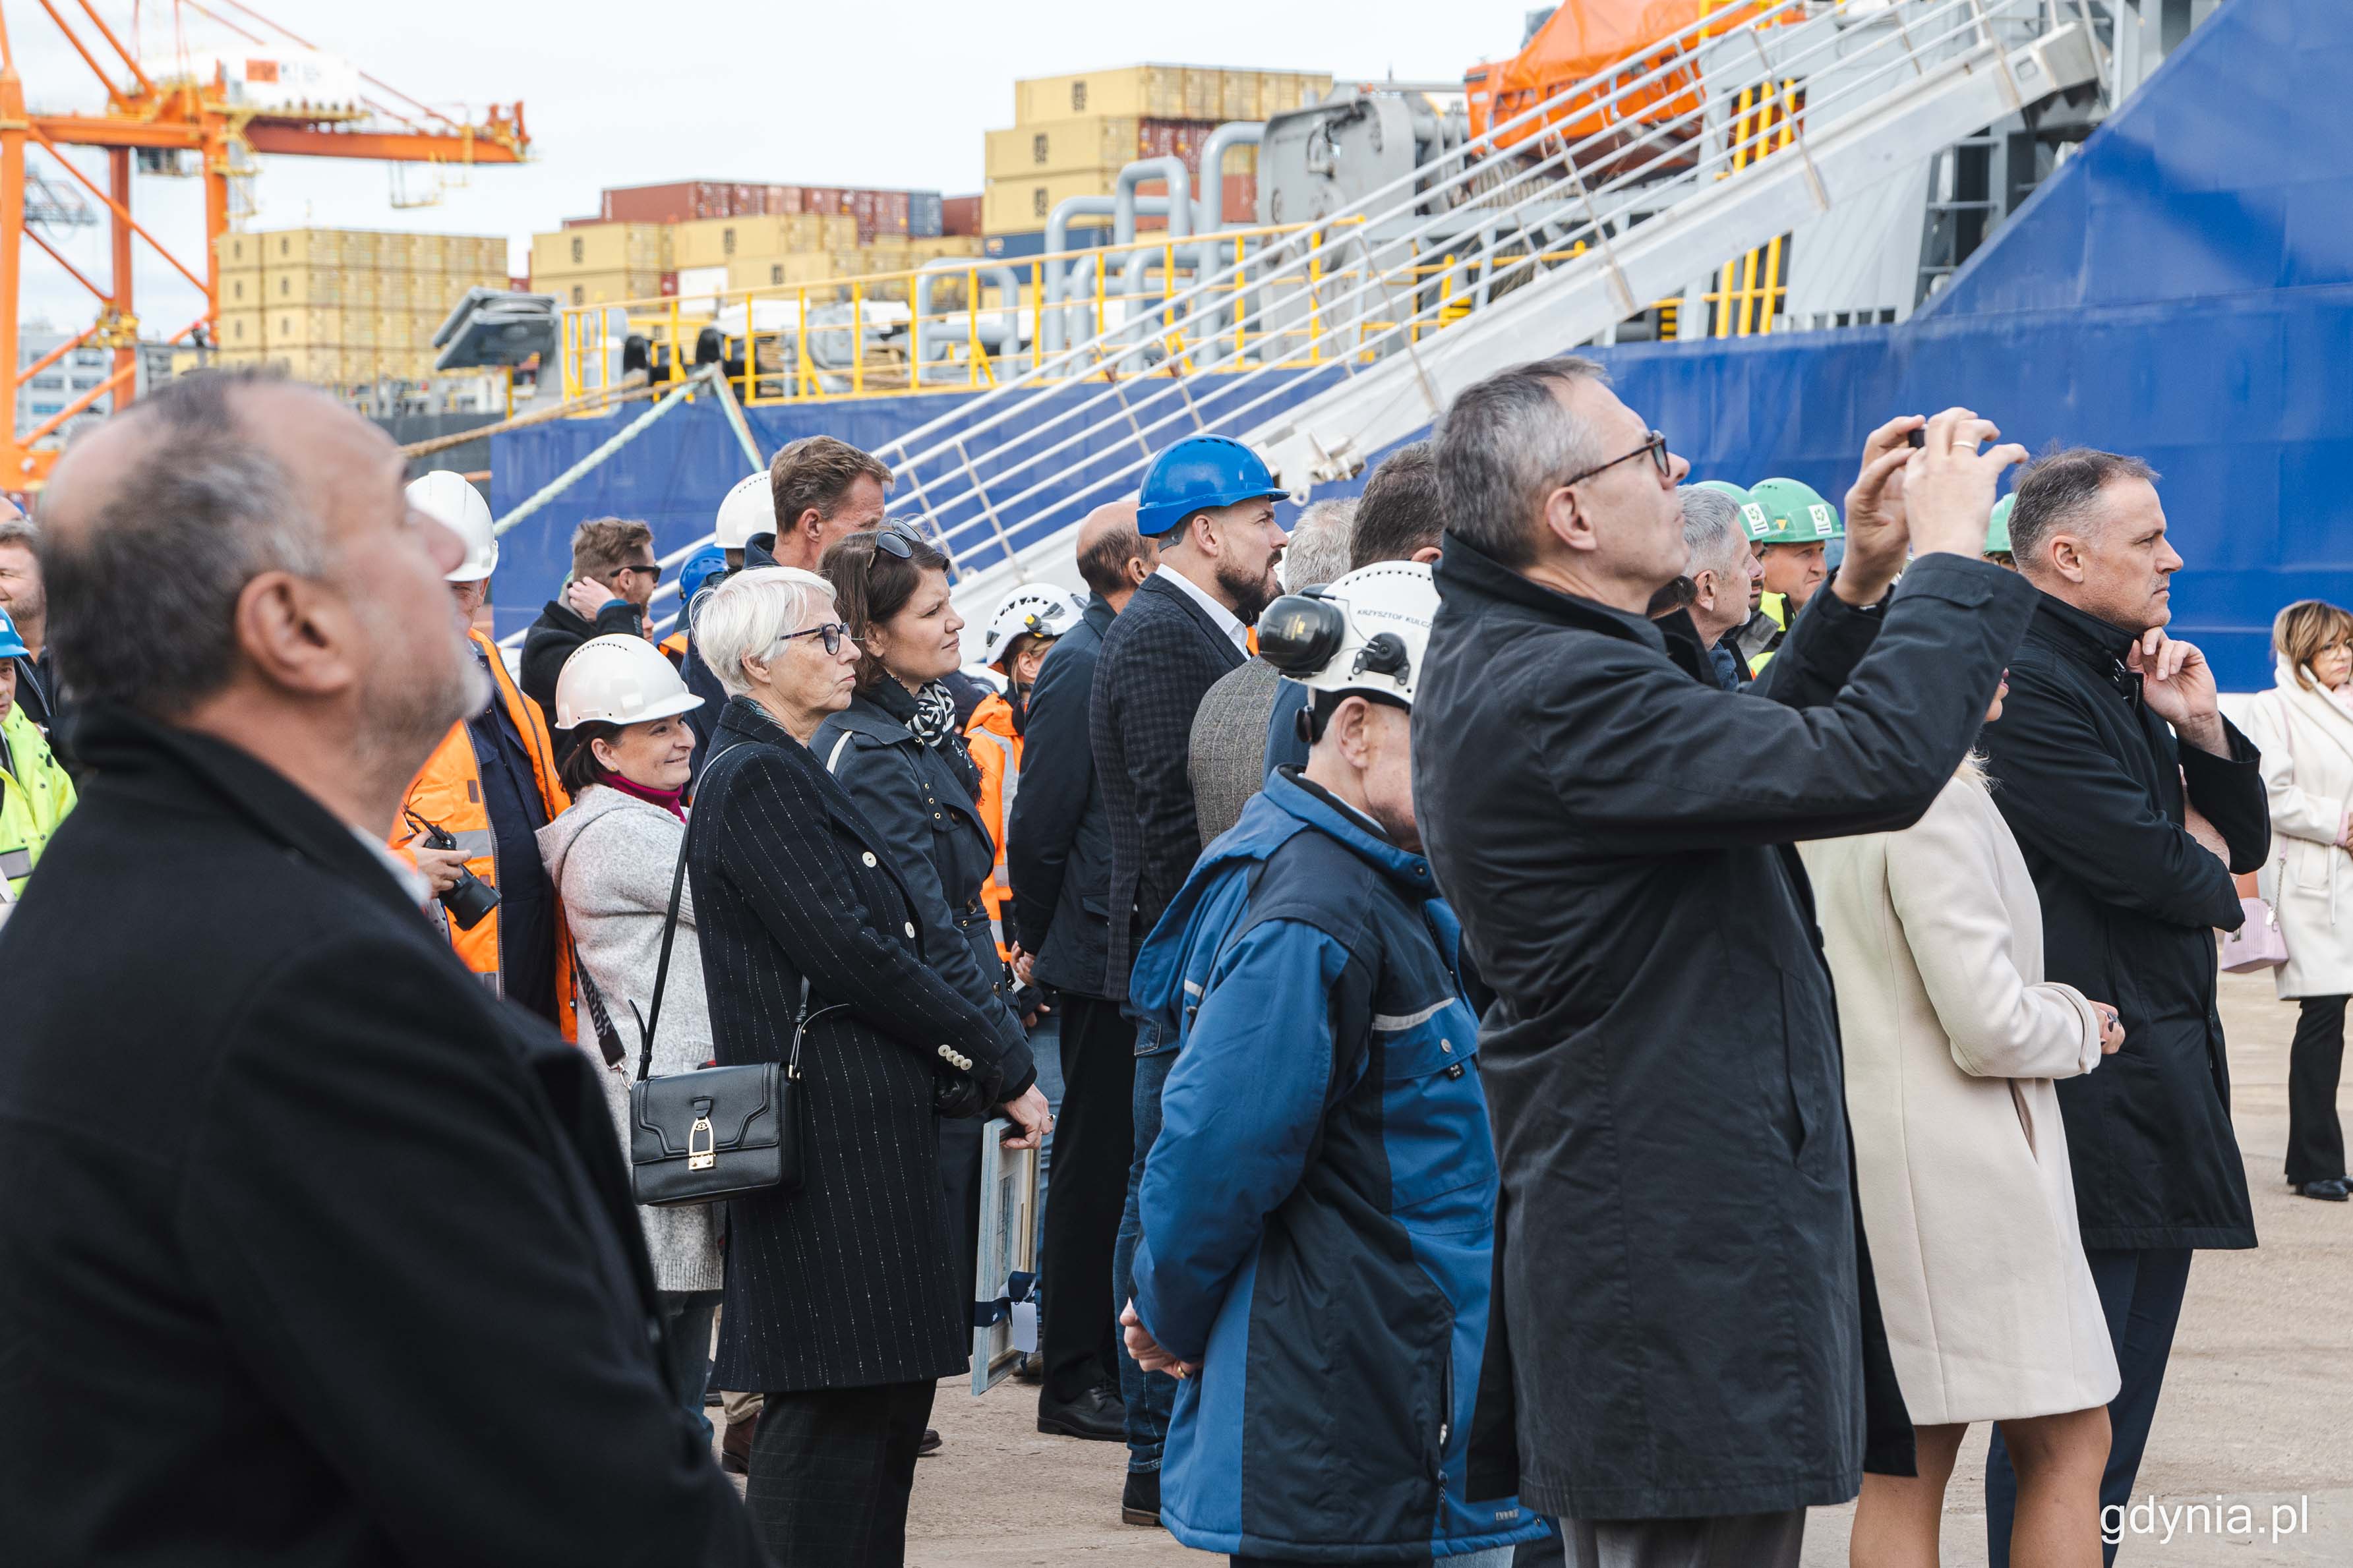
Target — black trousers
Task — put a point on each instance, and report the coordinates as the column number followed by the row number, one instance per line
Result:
column 830, row 1473
column 2316, row 1141
column 2140, row 1296
column 959, row 1138
column 1086, row 1187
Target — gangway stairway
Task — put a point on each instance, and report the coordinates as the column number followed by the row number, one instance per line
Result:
column 1329, row 346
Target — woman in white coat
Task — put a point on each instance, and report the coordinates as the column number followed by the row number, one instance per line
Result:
column 1952, row 1037
column 613, row 856
column 2303, row 726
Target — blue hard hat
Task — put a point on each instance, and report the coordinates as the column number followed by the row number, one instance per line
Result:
column 698, row 569
column 11, row 645
column 1195, row 474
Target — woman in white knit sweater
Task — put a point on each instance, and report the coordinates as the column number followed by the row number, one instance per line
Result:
column 613, row 857
column 1952, row 1037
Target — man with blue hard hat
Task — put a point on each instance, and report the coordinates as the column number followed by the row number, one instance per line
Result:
column 1209, row 500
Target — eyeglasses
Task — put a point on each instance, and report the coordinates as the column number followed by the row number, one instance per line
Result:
column 892, row 539
column 833, row 632
column 653, row 572
column 1660, row 459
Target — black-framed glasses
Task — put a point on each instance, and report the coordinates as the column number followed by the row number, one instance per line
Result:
column 833, row 632
column 1660, row 459
column 651, row 569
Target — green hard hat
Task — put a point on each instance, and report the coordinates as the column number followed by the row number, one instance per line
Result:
column 1998, row 526
column 1797, row 513
column 1753, row 520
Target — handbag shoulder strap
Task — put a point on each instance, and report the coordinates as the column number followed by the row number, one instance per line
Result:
column 669, row 933
column 608, row 1038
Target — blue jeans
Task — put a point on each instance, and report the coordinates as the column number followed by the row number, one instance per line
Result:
column 1046, row 1049
column 686, row 1347
column 1148, row 1394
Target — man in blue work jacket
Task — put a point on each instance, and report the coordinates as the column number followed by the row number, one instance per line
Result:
column 1318, row 1210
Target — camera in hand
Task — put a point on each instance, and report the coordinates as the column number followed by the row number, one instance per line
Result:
column 468, row 899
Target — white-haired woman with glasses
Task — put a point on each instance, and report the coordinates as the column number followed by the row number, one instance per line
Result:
column 842, row 1301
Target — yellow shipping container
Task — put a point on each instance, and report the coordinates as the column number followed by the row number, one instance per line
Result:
column 716, row 241
column 1238, row 95
column 1022, row 206
column 1152, row 92
column 239, row 252
column 601, row 247
column 303, row 247
column 778, row 271
column 364, row 290
column 243, row 329
column 923, row 250
column 597, row 288
column 1203, row 91
column 365, row 250
column 1057, row 146
column 241, row 290
column 301, row 285
column 301, row 326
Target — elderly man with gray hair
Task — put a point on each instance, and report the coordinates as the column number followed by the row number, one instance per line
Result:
column 299, row 1209
column 1693, row 1341
column 1720, row 569
column 1227, row 751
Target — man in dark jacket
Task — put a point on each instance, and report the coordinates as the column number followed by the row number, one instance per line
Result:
column 613, row 579
column 317, row 1251
column 1058, row 858
column 1209, row 502
column 2106, row 718
column 1684, row 1300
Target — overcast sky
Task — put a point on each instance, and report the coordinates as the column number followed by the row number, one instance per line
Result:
column 619, row 94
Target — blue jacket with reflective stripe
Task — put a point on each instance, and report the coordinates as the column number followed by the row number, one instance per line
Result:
column 1318, row 1211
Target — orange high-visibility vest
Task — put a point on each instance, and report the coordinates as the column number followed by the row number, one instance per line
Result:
column 673, row 647
column 996, row 752
column 449, row 791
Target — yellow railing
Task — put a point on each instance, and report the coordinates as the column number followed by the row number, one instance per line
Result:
column 859, row 336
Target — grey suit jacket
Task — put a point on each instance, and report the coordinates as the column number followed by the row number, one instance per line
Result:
column 1228, row 750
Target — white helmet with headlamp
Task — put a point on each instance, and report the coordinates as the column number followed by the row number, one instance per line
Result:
column 1363, row 634
column 1034, row 609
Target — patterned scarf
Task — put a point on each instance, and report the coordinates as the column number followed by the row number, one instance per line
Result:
column 930, row 716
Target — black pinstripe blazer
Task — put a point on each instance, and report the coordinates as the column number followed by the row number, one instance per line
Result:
column 849, row 1281
column 1158, row 660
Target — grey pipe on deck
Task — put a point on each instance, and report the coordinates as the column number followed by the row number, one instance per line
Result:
column 1209, row 209
column 1007, row 285
column 1051, row 334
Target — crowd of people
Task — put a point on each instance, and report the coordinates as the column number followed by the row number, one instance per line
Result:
column 1569, row 1015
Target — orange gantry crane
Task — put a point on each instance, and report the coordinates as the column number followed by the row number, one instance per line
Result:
column 183, row 111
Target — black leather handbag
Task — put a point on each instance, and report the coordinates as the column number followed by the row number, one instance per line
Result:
column 716, row 1132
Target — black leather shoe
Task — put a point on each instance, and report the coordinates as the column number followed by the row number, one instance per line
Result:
column 1096, row 1416
column 1140, row 1502
column 929, row 1445
column 2330, row 1192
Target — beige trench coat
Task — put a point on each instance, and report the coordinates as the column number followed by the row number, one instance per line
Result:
column 1952, row 1037
column 2307, row 740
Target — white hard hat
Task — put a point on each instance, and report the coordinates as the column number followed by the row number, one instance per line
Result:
column 451, row 500
column 618, row 679
column 1034, row 609
column 750, row 508
column 1364, row 632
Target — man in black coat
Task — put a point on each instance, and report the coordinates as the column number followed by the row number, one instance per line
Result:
column 1058, row 859
column 315, row 1250
column 1210, row 504
column 1684, row 1303
column 2106, row 719
column 613, row 579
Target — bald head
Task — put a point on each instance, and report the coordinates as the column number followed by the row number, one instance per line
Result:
column 1113, row 556
column 236, row 553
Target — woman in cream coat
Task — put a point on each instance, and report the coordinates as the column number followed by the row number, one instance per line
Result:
column 2304, row 727
column 1952, row 1037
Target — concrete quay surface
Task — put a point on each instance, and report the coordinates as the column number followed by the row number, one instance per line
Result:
column 2258, row 1406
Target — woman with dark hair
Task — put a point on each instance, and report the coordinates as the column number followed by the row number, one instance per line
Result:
column 613, row 856
column 897, row 750
column 841, row 1304
column 2303, row 726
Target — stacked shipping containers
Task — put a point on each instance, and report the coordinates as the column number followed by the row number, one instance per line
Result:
column 1072, row 134
column 602, row 263
column 343, row 307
